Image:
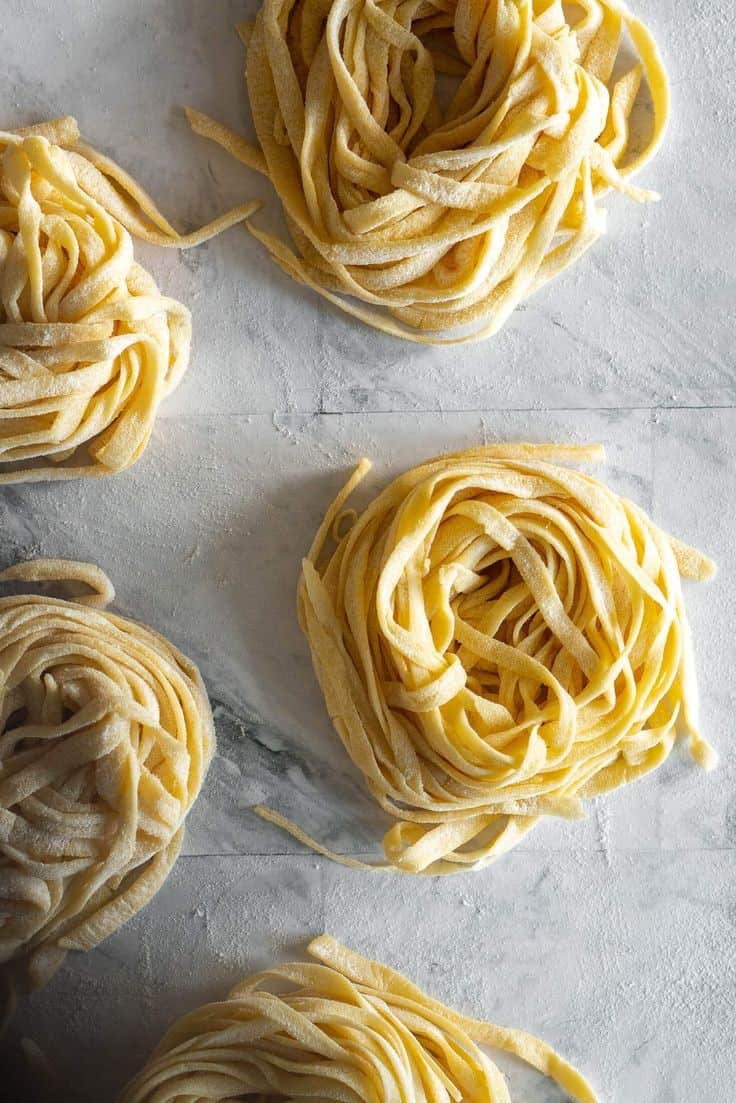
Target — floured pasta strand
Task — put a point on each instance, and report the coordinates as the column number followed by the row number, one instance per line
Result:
column 89, row 346
column 106, row 734
column 345, row 1029
column 498, row 638
column 438, row 217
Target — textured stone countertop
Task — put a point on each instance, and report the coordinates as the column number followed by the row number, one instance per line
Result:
column 613, row 938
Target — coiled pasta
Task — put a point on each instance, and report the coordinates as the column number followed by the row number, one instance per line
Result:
column 498, row 638
column 348, row 1029
column 442, row 216
column 105, row 737
column 89, row 347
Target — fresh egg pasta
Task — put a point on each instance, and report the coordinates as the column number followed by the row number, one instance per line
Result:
column 89, row 346
column 345, row 1029
column 105, row 738
column 498, row 638
column 439, row 161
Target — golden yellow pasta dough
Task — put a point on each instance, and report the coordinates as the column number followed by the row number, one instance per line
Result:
column 498, row 638
column 105, row 737
column 439, row 160
column 346, row 1029
column 89, row 346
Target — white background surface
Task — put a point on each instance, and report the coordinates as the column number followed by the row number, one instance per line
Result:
column 615, row 939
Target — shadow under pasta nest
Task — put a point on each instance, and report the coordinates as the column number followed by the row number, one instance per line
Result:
column 282, row 745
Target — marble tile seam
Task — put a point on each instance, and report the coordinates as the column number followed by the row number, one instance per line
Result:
column 541, row 852
column 441, row 411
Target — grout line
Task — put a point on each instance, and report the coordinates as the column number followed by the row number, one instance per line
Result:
column 368, row 857
column 444, row 412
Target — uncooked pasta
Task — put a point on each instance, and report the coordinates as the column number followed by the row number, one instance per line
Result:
column 89, row 346
column 498, row 638
column 346, row 1029
column 439, row 161
column 105, row 737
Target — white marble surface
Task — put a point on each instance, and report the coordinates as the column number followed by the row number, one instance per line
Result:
column 615, row 938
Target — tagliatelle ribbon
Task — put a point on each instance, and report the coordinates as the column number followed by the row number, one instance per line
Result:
column 346, row 1029
column 498, row 638
column 442, row 216
column 89, row 347
column 106, row 734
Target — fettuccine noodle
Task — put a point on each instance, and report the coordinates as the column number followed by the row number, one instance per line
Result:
column 105, row 737
column 498, row 638
column 442, row 218
column 348, row 1029
column 89, row 346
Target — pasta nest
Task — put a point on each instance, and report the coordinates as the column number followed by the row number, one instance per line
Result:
column 349, row 1029
column 89, row 346
column 105, row 737
column 499, row 638
column 440, row 160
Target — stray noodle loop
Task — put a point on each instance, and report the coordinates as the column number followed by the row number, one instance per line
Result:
column 346, row 1029
column 498, row 638
column 89, row 347
column 105, row 737
column 441, row 219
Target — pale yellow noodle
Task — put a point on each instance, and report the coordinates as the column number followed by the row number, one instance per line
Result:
column 498, row 638
column 436, row 216
column 89, row 347
column 105, row 737
column 347, row 1029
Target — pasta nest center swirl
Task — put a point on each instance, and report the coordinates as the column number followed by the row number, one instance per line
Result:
column 105, row 737
column 498, row 637
column 89, row 347
column 439, row 160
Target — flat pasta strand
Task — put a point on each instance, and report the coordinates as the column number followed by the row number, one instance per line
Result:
column 498, row 638
column 106, row 734
column 346, row 1029
column 437, row 216
column 89, row 347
